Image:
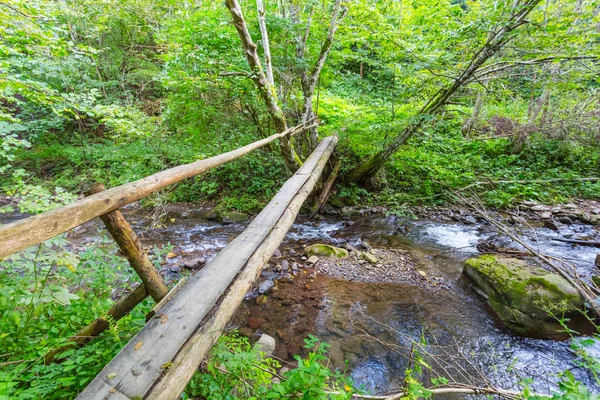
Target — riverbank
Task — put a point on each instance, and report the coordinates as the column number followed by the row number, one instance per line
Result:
column 372, row 314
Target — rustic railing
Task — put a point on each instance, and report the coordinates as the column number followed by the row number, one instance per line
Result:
column 186, row 321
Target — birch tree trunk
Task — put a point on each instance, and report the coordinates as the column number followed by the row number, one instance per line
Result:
column 472, row 120
column 495, row 42
column 265, row 88
column 265, row 40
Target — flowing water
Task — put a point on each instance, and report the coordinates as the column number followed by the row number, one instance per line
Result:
column 374, row 326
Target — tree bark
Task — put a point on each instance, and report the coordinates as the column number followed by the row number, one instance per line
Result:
column 472, row 120
column 494, row 43
column 266, row 89
column 309, row 79
column 130, row 245
column 265, row 40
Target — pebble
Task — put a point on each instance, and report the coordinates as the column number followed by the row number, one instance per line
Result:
column 265, row 286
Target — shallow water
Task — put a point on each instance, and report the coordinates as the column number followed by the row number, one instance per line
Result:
column 374, row 326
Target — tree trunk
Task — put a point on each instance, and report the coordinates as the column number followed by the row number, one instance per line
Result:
column 472, row 120
column 266, row 89
column 494, row 43
column 309, row 79
column 538, row 106
column 265, row 40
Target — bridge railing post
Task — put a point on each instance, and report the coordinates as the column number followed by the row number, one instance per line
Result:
column 152, row 282
column 130, row 245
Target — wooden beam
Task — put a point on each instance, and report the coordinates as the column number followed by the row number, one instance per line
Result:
column 140, row 363
column 24, row 233
column 175, row 379
column 131, row 247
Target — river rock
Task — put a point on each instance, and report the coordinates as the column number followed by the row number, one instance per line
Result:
column 546, row 215
column 540, row 208
column 255, row 323
column 519, row 294
column 550, row 225
column 369, row 257
column 312, row 260
column 597, row 262
column 195, row 262
column 266, row 286
column 261, row 300
column 266, row 344
column 285, row 265
column 226, row 217
column 566, row 220
column 325, row 250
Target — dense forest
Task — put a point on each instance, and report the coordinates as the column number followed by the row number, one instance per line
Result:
column 440, row 106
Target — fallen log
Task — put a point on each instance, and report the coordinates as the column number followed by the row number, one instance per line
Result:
column 150, row 353
column 190, row 356
column 27, row 232
column 325, row 193
column 578, row 242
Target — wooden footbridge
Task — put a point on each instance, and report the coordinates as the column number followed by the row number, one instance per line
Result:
column 162, row 357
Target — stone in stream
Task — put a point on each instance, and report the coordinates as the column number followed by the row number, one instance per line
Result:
column 369, row 257
column 541, row 208
column 550, row 225
column 565, row 220
column 285, row 265
column 226, row 217
column 266, row 286
column 597, row 262
column 325, row 250
column 266, row 345
column 520, row 295
column 194, row 262
column 312, row 260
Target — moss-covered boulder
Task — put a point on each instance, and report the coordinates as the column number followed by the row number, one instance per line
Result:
column 522, row 295
column 220, row 214
column 325, row 250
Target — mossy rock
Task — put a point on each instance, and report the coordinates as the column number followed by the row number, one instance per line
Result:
column 220, row 214
column 325, row 250
column 524, row 297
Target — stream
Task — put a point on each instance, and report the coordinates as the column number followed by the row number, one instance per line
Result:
column 374, row 324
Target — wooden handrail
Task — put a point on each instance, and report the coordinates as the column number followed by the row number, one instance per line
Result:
column 27, row 232
column 137, row 367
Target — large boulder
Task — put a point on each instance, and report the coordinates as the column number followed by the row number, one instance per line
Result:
column 325, row 250
column 522, row 295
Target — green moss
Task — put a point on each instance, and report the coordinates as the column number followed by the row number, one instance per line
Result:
column 325, row 250
column 522, row 295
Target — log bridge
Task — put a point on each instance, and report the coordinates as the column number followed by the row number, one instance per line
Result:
column 161, row 358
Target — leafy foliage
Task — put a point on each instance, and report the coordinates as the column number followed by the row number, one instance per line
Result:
column 237, row 370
